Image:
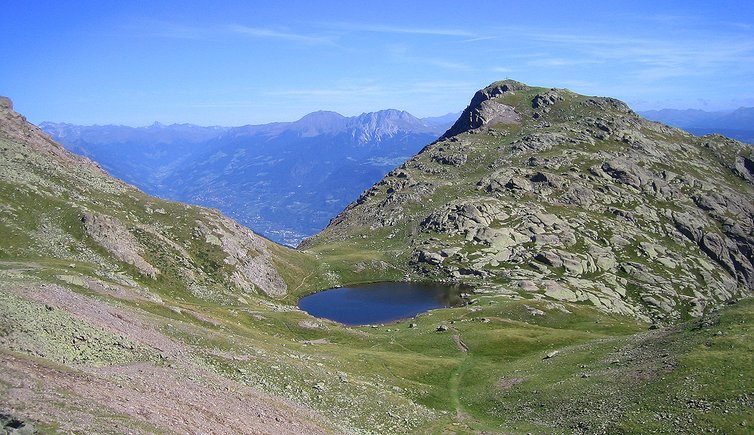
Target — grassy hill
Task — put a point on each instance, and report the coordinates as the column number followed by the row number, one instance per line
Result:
column 542, row 193
column 119, row 310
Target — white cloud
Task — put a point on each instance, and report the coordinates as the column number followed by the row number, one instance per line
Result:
column 559, row 61
column 261, row 32
column 383, row 28
column 501, row 69
column 171, row 30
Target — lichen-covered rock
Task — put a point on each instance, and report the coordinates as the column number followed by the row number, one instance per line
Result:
column 113, row 236
column 545, row 100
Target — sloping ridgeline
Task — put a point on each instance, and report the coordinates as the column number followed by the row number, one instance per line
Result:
column 106, row 295
column 542, row 193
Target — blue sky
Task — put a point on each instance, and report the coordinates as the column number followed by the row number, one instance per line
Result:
column 248, row 62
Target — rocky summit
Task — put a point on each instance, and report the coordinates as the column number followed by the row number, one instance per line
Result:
column 542, row 193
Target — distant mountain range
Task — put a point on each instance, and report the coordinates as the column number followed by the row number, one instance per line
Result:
column 285, row 180
column 737, row 124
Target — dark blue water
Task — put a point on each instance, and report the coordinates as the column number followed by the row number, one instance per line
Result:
column 380, row 302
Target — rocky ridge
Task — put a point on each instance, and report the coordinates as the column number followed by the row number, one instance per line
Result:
column 544, row 193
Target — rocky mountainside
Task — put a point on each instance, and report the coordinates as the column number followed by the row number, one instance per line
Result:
column 544, row 193
column 61, row 205
column 284, row 180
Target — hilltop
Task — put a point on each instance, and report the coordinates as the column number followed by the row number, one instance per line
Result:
column 543, row 193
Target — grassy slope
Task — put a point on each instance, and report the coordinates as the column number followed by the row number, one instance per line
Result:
column 394, row 378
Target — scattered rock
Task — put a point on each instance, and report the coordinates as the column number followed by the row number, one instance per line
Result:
column 551, row 354
column 508, row 383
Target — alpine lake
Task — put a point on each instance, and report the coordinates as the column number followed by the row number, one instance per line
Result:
column 383, row 302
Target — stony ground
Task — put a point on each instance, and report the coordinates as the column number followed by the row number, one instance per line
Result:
column 90, row 366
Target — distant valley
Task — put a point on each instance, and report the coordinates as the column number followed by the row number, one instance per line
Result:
column 284, row 180
column 738, row 124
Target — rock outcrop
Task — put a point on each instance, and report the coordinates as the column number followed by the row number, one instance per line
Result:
column 115, row 238
column 485, row 110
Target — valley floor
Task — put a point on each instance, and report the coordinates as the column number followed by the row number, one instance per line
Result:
column 84, row 355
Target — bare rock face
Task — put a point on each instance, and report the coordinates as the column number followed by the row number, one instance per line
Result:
column 246, row 253
column 113, row 236
column 745, row 168
column 484, row 110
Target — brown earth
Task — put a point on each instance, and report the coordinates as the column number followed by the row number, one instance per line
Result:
column 174, row 394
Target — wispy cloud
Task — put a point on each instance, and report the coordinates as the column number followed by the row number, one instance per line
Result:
column 383, row 28
column 550, row 62
column 337, row 91
column 402, row 53
column 435, row 86
column 648, row 58
column 501, row 69
column 481, row 38
column 737, row 25
column 442, row 63
column 172, row 30
column 369, row 89
column 164, row 29
column 261, row 32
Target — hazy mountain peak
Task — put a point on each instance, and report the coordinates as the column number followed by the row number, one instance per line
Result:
column 321, row 116
column 319, row 122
